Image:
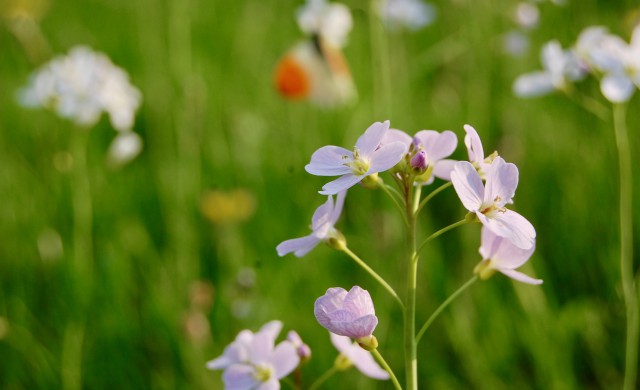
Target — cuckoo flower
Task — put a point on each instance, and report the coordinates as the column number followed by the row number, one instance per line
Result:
column 322, row 224
column 499, row 254
column 302, row 349
column 345, row 313
column 267, row 364
column 488, row 201
column 367, row 159
column 352, row 354
column 238, row 351
column 410, row 14
column 476, row 151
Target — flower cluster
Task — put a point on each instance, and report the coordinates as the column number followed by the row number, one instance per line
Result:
column 597, row 52
column 82, row 85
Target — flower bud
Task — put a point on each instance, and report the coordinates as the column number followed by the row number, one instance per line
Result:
column 419, row 161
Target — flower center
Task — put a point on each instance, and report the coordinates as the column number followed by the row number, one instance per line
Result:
column 359, row 165
column 491, row 209
column 263, row 373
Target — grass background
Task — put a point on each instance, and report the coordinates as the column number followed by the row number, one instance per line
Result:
column 212, row 120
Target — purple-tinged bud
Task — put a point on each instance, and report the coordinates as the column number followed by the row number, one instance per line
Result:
column 302, row 349
column 419, row 161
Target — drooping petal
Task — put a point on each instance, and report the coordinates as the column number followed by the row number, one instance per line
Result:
column 512, row 226
column 473, row 144
column 370, row 140
column 438, row 145
column 387, row 156
column 337, row 210
column 617, row 87
column 329, row 161
column 322, row 215
column 360, row 358
column 533, row 85
column 468, row 185
column 502, row 181
column 284, row 359
column 299, row 246
column 502, row 252
column 239, row 377
column 443, row 169
column 342, row 183
column 520, row 277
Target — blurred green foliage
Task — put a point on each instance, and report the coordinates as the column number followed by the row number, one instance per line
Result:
column 211, row 120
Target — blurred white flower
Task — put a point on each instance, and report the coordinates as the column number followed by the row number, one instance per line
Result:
column 527, row 15
column 410, row 14
column 561, row 67
column 515, row 43
column 331, row 21
column 124, row 148
column 80, row 86
column 609, row 56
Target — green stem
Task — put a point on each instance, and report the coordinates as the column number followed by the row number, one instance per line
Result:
column 328, row 374
column 390, row 192
column 373, row 273
column 384, row 364
column 410, row 350
column 590, row 104
column 444, row 306
column 441, row 231
column 626, row 246
column 433, row 193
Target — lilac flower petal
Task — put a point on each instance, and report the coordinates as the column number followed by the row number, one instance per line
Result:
column 468, row 185
column 359, row 301
column 337, row 210
column 370, row 140
column 394, row 135
column 322, row 215
column 387, row 156
column 520, row 277
column 512, row 226
column 272, row 329
column 329, row 161
column 261, row 348
column 360, row 358
column 533, row 84
column 284, row 359
column 354, row 328
column 271, row 384
column 239, row 377
column 443, row 169
column 328, row 303
column 502, row 252
column 220, row 363
column 473, row 144
column 340, row 184
column 617, row 88
column 299, row 246
column 438, row 145
column 502, row 181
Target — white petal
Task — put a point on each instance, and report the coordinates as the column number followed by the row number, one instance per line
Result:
column 284, row 359
column 342, row 183
column 468, row 185
column 473, row 144
column 438, row 145
column 443, row 169
column 533, row 85
column 337, row 210
column 395, row 135
column 329, row 161
column 239, row 377
column 502, row 181
column 299, row 246
column 512, row 226
column 360, row 358
column 617, row 88
column 520, row 277
column 322, row 215
column 370, row 140
column 387, row 156
column 502, row 252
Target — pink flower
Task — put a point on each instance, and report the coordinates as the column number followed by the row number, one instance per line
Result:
column 239, row 350
column 368, row 158
column 488, row 201
column 357, row 356
column 345, row 313
column 499, row 254
column 322, row 224
column 476, row 151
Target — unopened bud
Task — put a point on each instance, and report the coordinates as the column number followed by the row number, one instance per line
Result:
column 419, row 161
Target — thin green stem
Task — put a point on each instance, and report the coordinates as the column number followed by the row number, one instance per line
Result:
column 384, row 364
column 441, row 231
column 443, row 306
column 626, row 246
column 390, row 191
column 410, row 349
column 590, row 104
column 373, row 273
column 432, row 194
column 323, row 378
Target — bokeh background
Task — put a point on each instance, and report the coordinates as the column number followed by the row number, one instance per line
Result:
column 184, row 236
